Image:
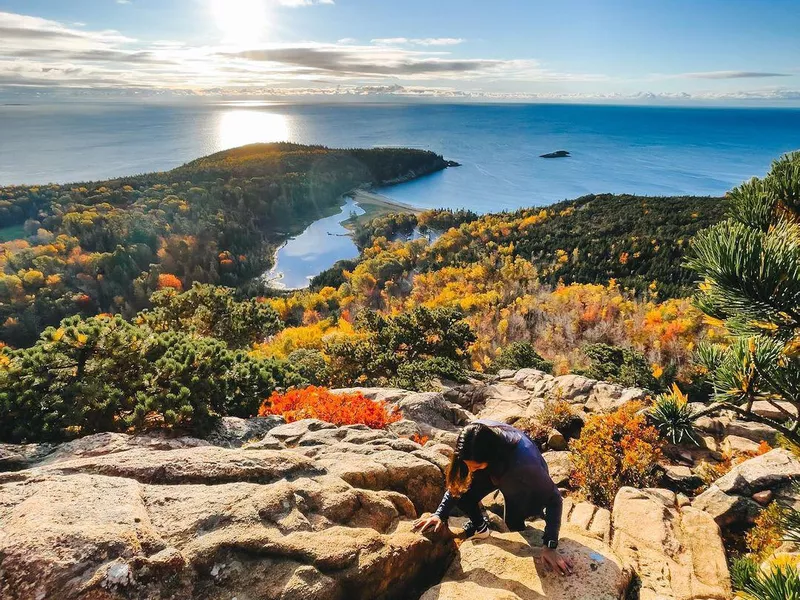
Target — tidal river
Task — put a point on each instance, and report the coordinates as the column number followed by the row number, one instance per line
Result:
column 316, row 249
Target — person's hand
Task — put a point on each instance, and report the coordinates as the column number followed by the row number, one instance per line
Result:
column 555, row 562
column 424, row 523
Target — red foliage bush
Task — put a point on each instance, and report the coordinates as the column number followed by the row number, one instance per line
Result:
column 420, row 439
column 319, row 403
column 168, row 280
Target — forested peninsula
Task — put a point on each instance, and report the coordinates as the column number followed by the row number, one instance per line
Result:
column 104, row 247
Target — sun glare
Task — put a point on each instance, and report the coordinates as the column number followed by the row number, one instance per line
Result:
column 240, row 21
column 239, row 127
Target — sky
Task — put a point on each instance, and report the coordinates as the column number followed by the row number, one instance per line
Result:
column 714, row 51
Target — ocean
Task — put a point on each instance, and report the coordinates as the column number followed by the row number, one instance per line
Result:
column 619, row 149
column 641, row 150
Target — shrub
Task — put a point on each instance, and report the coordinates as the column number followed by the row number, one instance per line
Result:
column 309, row 364
column 211, row 311
column 790, row 520
column 320, row 403
column 535, row 430
column 105, row 374
column 420, row 374
column 556, row 413
column 420, row 439
column 169, row 281
column 615, row 450
column 624, row 366
column 673, row 417
column 767, row 532
column 407, row 350
column 520, row 355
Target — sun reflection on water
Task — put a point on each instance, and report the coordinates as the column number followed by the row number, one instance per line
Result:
column 238, row 127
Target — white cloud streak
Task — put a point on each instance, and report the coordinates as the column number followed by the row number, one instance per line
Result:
column 444, row 41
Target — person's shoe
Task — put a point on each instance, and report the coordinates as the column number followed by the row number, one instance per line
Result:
column 471, row 532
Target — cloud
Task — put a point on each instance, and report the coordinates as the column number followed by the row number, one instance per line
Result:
column 733, row 75
column 445, row 41
column 44, row 55
column 16, row 30
column 364, row 61
column 123, row 1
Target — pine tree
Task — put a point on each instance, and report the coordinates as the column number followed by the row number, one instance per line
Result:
column 750, row 266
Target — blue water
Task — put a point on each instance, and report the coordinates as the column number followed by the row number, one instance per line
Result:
column 644, row 150
column 317, row 248
column 641, row 150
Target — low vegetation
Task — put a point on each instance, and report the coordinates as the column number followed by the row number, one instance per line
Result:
column 615, row 450
column 320, row 403
column 674, row 417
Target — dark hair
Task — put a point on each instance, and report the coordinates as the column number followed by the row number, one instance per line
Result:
column 477, row 442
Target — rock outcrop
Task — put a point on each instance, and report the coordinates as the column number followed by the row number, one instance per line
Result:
column 506, row 567
column 273, row 510
column 732, row 499
column 519, row 394
column 139, row 519
column 676, row 552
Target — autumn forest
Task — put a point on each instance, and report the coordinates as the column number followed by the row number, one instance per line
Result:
column 137, row 302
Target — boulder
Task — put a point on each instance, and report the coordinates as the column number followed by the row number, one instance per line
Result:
column 102, row 444
column 680, row 478
column 533, row 380
column 734, row 444
column 506, row 567
column 713, row 425
column 755, row 432
column 405, row 428
column 763, row 498
column 233, row 432
column 432, row 412
column 587, row 518
column 575, row 389
column 505, row 402
column 769, row 470
column 218, row 523
column 467, row 395
column 677, row 552
column 559, row 463
column 608, row 397
column 777, row 411
column 14, row 457
column 726, row 509
column 556, row 441
column 376, row 393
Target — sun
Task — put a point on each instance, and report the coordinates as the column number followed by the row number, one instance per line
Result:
column 240, row 21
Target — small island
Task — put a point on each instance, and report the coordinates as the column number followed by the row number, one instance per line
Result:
column 556, row 154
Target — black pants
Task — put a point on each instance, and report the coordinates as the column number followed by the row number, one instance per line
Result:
column 482, row 486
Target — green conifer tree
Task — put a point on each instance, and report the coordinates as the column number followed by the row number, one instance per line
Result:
column 750, row 270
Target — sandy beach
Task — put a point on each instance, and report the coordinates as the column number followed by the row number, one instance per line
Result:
column 367, row 199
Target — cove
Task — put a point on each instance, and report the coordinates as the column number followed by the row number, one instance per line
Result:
column 316, row 249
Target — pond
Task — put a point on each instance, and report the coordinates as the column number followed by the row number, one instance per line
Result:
column 316, row 249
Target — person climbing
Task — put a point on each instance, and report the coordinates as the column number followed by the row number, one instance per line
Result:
column 491, row 456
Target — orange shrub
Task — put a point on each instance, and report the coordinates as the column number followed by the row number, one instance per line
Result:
column 615, row 450
column 767, row 534
column 319, row 403
column 420, row 439
column 168, row 280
